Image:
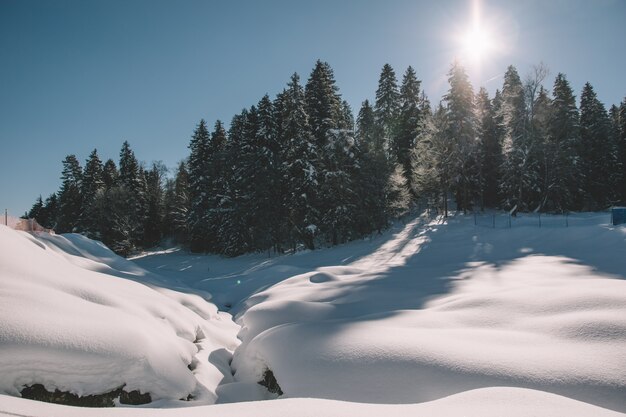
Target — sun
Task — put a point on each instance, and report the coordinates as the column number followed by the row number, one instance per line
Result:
column 477, row 44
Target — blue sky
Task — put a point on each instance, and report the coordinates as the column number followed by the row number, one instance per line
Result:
column 80, row 74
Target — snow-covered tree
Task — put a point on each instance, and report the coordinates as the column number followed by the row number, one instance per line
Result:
column 563, row 170
column 596, row 151
column 461, row 128
column 386, row 110
column 489, row 151
column 70, row 199
column 91, row 184
column 408, row 125
column 198, row 188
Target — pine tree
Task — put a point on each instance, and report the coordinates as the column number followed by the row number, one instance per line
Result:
column 621, row 146
column 49, row 212
column 541, row 132
column 155, row 214
column 177, row 205
column 35, row 210
column 372, row 182
column 434, row 160
column 199, row 182
column 216, row 183
column 409, row 121
column 516, row 180
column 323, row 103
column 562, row 189
column 489, row 152
column 91, row 184
column 461, row 126
column 132, row 200
column 109, row 174
column 301, row 156
column 70, row 199
column 386, row 110
column 596, row 150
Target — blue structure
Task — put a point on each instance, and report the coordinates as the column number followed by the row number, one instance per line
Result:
column 618, row 215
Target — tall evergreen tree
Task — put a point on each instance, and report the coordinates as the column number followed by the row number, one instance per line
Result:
column 109, row 174
column 409, row 121
column 517, row 168
column 323, row 102
column 596, row 150
column 489, row 152
column 155, row 210
column 91, row 184
column 70, row 199
column 562, row 190
column 301, row 155
column 386, row 109
column 35, row 210
column 621, row 147
column 461, row 124
column 372, row 182
column 199, row 183
column 434, row 160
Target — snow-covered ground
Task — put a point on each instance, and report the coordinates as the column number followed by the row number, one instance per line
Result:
column 462, row 318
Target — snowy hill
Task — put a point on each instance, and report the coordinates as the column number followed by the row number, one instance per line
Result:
column 463, row 319
column 69, row 322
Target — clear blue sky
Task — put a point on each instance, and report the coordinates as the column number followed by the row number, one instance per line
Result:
column 81, row 74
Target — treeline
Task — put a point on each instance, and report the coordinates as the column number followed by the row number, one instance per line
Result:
column 298, row 170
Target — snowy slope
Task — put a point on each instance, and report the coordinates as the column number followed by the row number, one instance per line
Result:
column 70, row 322
column 462, row 319
column 486, row 402
column 446, row 309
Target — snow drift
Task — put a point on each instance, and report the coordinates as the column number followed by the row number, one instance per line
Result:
column 450, row 308
column 70, row 321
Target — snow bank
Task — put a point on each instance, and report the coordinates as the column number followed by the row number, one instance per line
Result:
column 486, row 402
column 446, row 309
column 69, row 321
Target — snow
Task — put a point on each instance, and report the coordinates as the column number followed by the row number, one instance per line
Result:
column 485, row 402
column 433, row 318
column 70, row 322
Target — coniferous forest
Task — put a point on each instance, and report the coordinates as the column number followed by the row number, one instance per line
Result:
column 299, row 170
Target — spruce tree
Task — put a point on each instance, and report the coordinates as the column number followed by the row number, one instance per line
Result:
column 323, row 103
column 70, row 199
column 595, row 150
column 461, row 125
column 489, row 152
column 621, row 146
column 563, row 192
column 301, row 155
column 49, row 212
column 109, row 174
column 35, row 210
column 386, row 109
column 372, row 182
column 434, row 160
column 91, row 184
column 198, row 188
column 516, row 181
column 177, row 205
column 409, row 121
column 155, row 211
